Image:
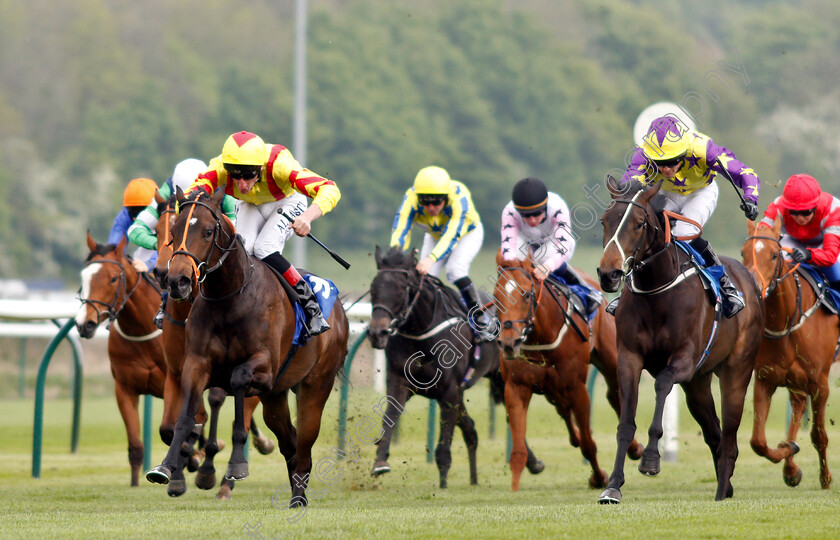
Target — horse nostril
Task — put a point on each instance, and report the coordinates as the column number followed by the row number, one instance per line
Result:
column 615, row 275
column 517, row 342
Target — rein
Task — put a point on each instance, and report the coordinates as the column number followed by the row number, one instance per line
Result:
column 398, row 320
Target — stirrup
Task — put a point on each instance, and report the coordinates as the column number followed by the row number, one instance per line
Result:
column 158, row 320
column 612, row 306
column 733, row 303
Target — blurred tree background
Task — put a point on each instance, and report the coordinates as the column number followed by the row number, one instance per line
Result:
column 96, row 92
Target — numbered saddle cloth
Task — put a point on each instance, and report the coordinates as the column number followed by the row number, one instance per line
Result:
column 326, row 294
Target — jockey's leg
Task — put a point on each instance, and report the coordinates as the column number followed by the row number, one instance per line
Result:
column 593, row 295
column 479, row 320
column 733, row 301
column 315, row 323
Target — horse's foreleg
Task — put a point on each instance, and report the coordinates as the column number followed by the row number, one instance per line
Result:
column 791, row 473
column 818, row 435
column 733, row 391
column 581, row 410
column 397, row 397
column 762, row 397
column 311, row 401
column 240, row 379
column 262, row 442
column 467, row 427
column 629, row 373
column 608, row 371
column 517, row 399
column 663, row 385
column 278, row 419
column 206, row 476
column 127, row 403
column 172, row 402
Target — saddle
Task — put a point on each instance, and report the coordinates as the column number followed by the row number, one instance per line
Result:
column 826, row 296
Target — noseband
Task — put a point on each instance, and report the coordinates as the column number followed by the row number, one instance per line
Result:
column 632, row 259
column 111, row 310
column 769, row 286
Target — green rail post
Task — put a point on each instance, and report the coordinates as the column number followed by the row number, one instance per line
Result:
column 147, row 431
column 430, row 437
column 345, row 390
column 38, row 425
column 22, row 376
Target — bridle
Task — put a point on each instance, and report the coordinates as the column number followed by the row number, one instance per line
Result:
column 631, row 261
column 768, row 286
column 531, row 297
column 112, row 311
column 201, row 269
column 404, row 310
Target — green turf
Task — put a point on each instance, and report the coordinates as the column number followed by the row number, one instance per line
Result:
column 86, row 495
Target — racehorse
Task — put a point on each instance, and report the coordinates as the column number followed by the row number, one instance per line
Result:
column 113, row 290
column 799, row 345
column 239, row 336
column 429, row 349
column 174, row 336
column 665, row 324
column 547, row 348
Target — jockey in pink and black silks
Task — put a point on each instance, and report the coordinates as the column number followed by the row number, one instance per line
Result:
column 688, row 162
column 266, row 178
column 810, row 225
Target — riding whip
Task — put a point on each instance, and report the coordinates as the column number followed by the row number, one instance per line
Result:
column 332, row 253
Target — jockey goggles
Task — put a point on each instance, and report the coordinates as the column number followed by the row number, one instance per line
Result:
column 242, row 172
column 673, row 162
column 532, row 213
column 430, row 200
column 802, row 212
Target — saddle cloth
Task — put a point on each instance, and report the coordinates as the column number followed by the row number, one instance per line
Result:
column 326, row 294
column 709, row 275
column 831, row 298
column 581, row 295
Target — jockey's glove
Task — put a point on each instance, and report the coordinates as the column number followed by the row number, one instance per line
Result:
column 800, row 254
column 750, row 210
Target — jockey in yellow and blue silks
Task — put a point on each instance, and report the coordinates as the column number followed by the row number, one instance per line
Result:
column 687, row 162
column 266, row 178
column 443, row 207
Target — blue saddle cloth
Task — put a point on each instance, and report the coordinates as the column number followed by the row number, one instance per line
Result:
column 709, row 274
column 580, row 291
column 831, row 296
column 326, row 294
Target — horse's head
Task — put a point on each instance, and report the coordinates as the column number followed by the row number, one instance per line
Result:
column 163, row 233
column 762, row 255
column 631, row 228
column 108, row 279
column 515, row 301
column 201, row 239
column 390, row 295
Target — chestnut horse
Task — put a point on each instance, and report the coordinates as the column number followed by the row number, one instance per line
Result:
column 666, row 325
column 798, row 348
column 239, row 337
column 113, row 290
column 174, row 336
column 547, row 348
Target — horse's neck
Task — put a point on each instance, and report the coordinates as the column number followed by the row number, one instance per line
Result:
column 231, row 275
column 781, row 303
column 138, row 309
column 548, row 315
column 427, row 311
column 662, row 264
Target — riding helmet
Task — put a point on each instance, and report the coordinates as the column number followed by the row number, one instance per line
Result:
column 667, row 139
column 244, row 148
column 801, row 192
column 530, row 196
column 432, row 181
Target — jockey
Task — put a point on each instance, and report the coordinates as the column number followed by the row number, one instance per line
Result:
column 536, row 224
column 266, row 178
column 137, row 196
column 142, row 231
column 687, row 162
column 454, row 234
column 810, row 225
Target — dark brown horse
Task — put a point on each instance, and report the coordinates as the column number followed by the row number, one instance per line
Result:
column 113, row 291
column 174, row 336
column 239, row 337
column 798, row 348
column 546, row 349
column 664, row 322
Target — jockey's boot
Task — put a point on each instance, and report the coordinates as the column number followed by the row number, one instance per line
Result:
column 161, row 312
column 593, row 295
column 733, row 300
column 484, row 325
column 612, row 306
column 315, row 321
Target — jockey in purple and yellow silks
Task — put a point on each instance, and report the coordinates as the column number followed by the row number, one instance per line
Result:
column 687, row 162
column 266, row 178
column 443, row 207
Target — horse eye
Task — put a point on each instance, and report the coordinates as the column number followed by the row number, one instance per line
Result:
column 114, row 279
column 640, row 225
column 208, row 233
column 775, row 256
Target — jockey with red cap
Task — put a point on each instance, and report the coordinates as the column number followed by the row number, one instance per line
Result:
column 810, row 225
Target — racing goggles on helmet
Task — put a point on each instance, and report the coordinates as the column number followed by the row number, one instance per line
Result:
column 673, row 162
column 242, row 172
column 431, row 200
column 807, row 212
column 532, row 212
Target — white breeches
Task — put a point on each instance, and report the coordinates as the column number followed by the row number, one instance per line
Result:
column 263, row 230
column 459, row 259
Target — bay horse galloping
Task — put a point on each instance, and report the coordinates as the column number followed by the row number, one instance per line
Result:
column 547, row 348
column 799, row 345
column 174, row 337
column 666, row 325
column 239, row 337
column 421, row 324
column 113, row 290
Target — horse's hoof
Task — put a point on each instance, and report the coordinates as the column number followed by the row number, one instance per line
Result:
column 159, row 475
column 610, row 496
column 176, row 488
column 193, row 463
column 224, row 494
column 237, row 471
column 205, row 479
column 536, row 467
column 298, row 501
column 649, row 466
column 634, row 452
column 598, row 481
column 264, row 445
column 794, row 480
column 443, row 483
column 380, row 468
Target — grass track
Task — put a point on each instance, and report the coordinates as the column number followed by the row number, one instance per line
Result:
column 87, row 495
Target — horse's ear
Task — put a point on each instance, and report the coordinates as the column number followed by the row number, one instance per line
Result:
column 218, row 197
column 91, row 243
column 179, row 194
column 159, row 198
column 121, row 246
column 377, row 256
column 750, row 228
column 499, row 257
column 777, row 226
column 614, row 187
column 649, row 192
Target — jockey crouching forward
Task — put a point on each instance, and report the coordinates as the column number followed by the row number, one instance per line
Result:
column 687, row 162
column 454, row 235
column 536, row 224
column 810, row 225
column 265, row 178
